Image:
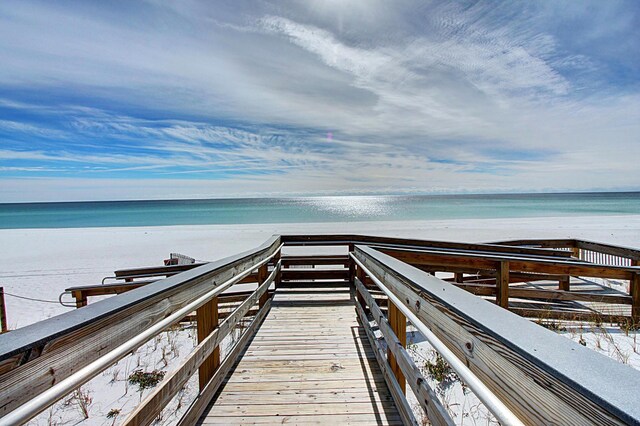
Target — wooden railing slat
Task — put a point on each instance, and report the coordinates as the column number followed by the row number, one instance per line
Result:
column 196, row 410
column 536, row 373
column 401, row 402
column 425, row 395
column 149, row 409
column 74, row 339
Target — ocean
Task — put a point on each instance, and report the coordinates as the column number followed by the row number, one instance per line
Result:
column 313, row 209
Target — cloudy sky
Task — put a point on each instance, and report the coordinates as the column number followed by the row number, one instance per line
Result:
column 162, row 99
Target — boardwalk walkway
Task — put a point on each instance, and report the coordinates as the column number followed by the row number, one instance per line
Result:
column 309, row 363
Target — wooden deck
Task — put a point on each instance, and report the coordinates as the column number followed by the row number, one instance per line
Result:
column 309, row 363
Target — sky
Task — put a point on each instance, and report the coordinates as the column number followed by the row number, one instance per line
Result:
column 166, row 100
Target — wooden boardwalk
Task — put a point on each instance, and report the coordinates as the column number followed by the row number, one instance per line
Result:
column 309, row 363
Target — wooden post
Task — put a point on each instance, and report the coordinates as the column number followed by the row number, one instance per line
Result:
column 278, row 277
column 634, row 290
column 352, row 274
column 458, row 277
column 361, row 276
column 502, row 284
column 81, row 299
column 3, row 313
column 565, row 283
column 207, row 321
column 576, row 252
column 263, row 273
column 398, row 323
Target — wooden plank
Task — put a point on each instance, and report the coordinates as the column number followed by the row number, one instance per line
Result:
column 565, row 283
column 426, row 397
column 314, row 273
column 338, row 419
column 502, row 284
column 621, row 251
column 3, row 313
column 68, row 342
column 346, row 239
column 207, row 321
column 262, row 276
column 306, row 397
column 481, row 262
column 314, row 260
column 549, row 295
column 569, row 315
column 198, row 407
column 634, row 289
column 155, row 270
column 531, row 369
column 278, row 410
column 371, row 384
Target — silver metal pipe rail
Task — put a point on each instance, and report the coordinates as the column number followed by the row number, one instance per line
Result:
column 484, row 394
column 40, row 402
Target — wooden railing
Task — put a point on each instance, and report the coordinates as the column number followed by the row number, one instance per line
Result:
column 590, row 251
column 517, row 368
column 43, row 362
column 538, row 375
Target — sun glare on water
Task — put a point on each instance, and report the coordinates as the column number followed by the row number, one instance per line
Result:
column 353, row 206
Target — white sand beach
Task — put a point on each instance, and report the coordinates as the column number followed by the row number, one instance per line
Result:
column 41, row 263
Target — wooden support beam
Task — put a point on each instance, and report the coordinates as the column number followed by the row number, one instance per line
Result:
column 263, row 273
column 565, row 283
column 361, row 276
column 81, row 298
column 458, row 277
column 207, row 320
column 352, row 273
column 152, row 405
column 398, row 323
column 277, row 258
column 204, row 397
column 575, row 251
column 634, row 289
column 502, row 284
column 3, row 313
column 425, row 395
column 404, row 409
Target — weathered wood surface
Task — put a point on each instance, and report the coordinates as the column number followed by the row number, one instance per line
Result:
column 610, row 249
column 199, row 406
column 314, row 273
column 207, row 321
column 314, row 260
column 307, row 364
column 544, row 294
column 425, row 395
column 477, row 261
column 35, row 357
column 351, row 239
column 153, row 271
column 3, row 313
column 544, row 378
column 208, row 346
column 404, row 410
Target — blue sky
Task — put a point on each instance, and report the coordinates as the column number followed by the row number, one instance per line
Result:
column 160, row 99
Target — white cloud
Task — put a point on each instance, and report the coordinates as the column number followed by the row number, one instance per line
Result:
column 417, row 95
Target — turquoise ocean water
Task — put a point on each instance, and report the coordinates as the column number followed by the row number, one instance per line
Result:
column 312, row 209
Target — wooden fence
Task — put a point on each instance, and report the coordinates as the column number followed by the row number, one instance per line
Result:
column 522, row 372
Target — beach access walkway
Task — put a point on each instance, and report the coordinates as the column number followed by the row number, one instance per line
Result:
column 312, row 329
column 309, row 362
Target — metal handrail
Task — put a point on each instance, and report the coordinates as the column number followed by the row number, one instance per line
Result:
column 40, row 402
column 484, row 394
